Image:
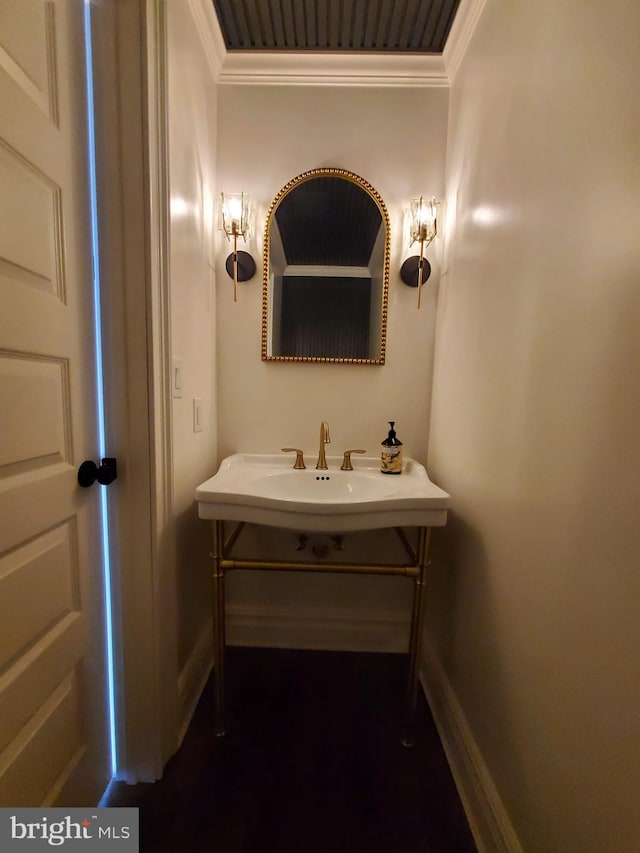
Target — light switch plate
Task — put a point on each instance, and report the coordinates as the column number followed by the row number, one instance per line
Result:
column 176, row 378
column 197, row 414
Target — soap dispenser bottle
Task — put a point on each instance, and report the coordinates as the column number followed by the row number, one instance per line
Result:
column 391, row 453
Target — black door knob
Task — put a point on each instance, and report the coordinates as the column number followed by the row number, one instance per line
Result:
column 89, row 472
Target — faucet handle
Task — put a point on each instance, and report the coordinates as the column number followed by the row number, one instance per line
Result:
column 299, row 463
column 346, row 462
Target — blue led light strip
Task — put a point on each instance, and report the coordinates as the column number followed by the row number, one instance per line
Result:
column 100, row 388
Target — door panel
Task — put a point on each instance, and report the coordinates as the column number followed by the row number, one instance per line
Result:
column 28, row 50
column 36, row 426
column 53, row 721
column 30, row 234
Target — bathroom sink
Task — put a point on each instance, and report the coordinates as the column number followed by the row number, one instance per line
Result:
column 265, row 489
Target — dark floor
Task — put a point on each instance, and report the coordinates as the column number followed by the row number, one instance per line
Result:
column 311, row 763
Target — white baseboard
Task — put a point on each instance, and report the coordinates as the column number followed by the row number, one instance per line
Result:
column 193, row 677
column 490, row 824
column 330, row 630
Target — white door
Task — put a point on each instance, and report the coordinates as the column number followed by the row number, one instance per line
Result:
column 54, row 743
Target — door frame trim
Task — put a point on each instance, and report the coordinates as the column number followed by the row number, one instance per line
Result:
column 160, row 372
column 133, row 205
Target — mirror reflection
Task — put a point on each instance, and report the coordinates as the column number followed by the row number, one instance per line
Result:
column 326, row 271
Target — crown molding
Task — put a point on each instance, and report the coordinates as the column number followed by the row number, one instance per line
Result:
column 335, row 68
column 206, row 22
column 464, row 25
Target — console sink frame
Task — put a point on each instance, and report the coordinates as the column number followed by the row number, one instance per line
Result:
column 415, row 568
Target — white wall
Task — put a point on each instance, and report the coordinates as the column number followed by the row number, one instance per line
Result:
column 536, row 417
column 192, row 133
column 395, row 139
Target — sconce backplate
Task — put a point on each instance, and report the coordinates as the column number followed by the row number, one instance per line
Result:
column 246, row 266
column 409, row 270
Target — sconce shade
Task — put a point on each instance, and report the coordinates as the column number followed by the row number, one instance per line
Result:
column 246, row 267
column 409, row 270
column 423, row 220
column 235, row 215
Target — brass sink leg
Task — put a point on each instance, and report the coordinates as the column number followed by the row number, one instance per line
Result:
column 218, row 628
column 415, row 640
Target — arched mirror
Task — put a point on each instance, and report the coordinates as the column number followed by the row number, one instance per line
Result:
column 326, row 271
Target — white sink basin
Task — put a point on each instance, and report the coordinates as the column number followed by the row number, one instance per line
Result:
column 265, row 489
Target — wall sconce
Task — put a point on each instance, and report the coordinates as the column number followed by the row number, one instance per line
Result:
column 422, row 217
column 235, row 219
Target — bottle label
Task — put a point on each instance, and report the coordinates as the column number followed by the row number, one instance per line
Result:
column 391, row 460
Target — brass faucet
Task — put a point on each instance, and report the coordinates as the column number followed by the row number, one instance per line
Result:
column 324, row 439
